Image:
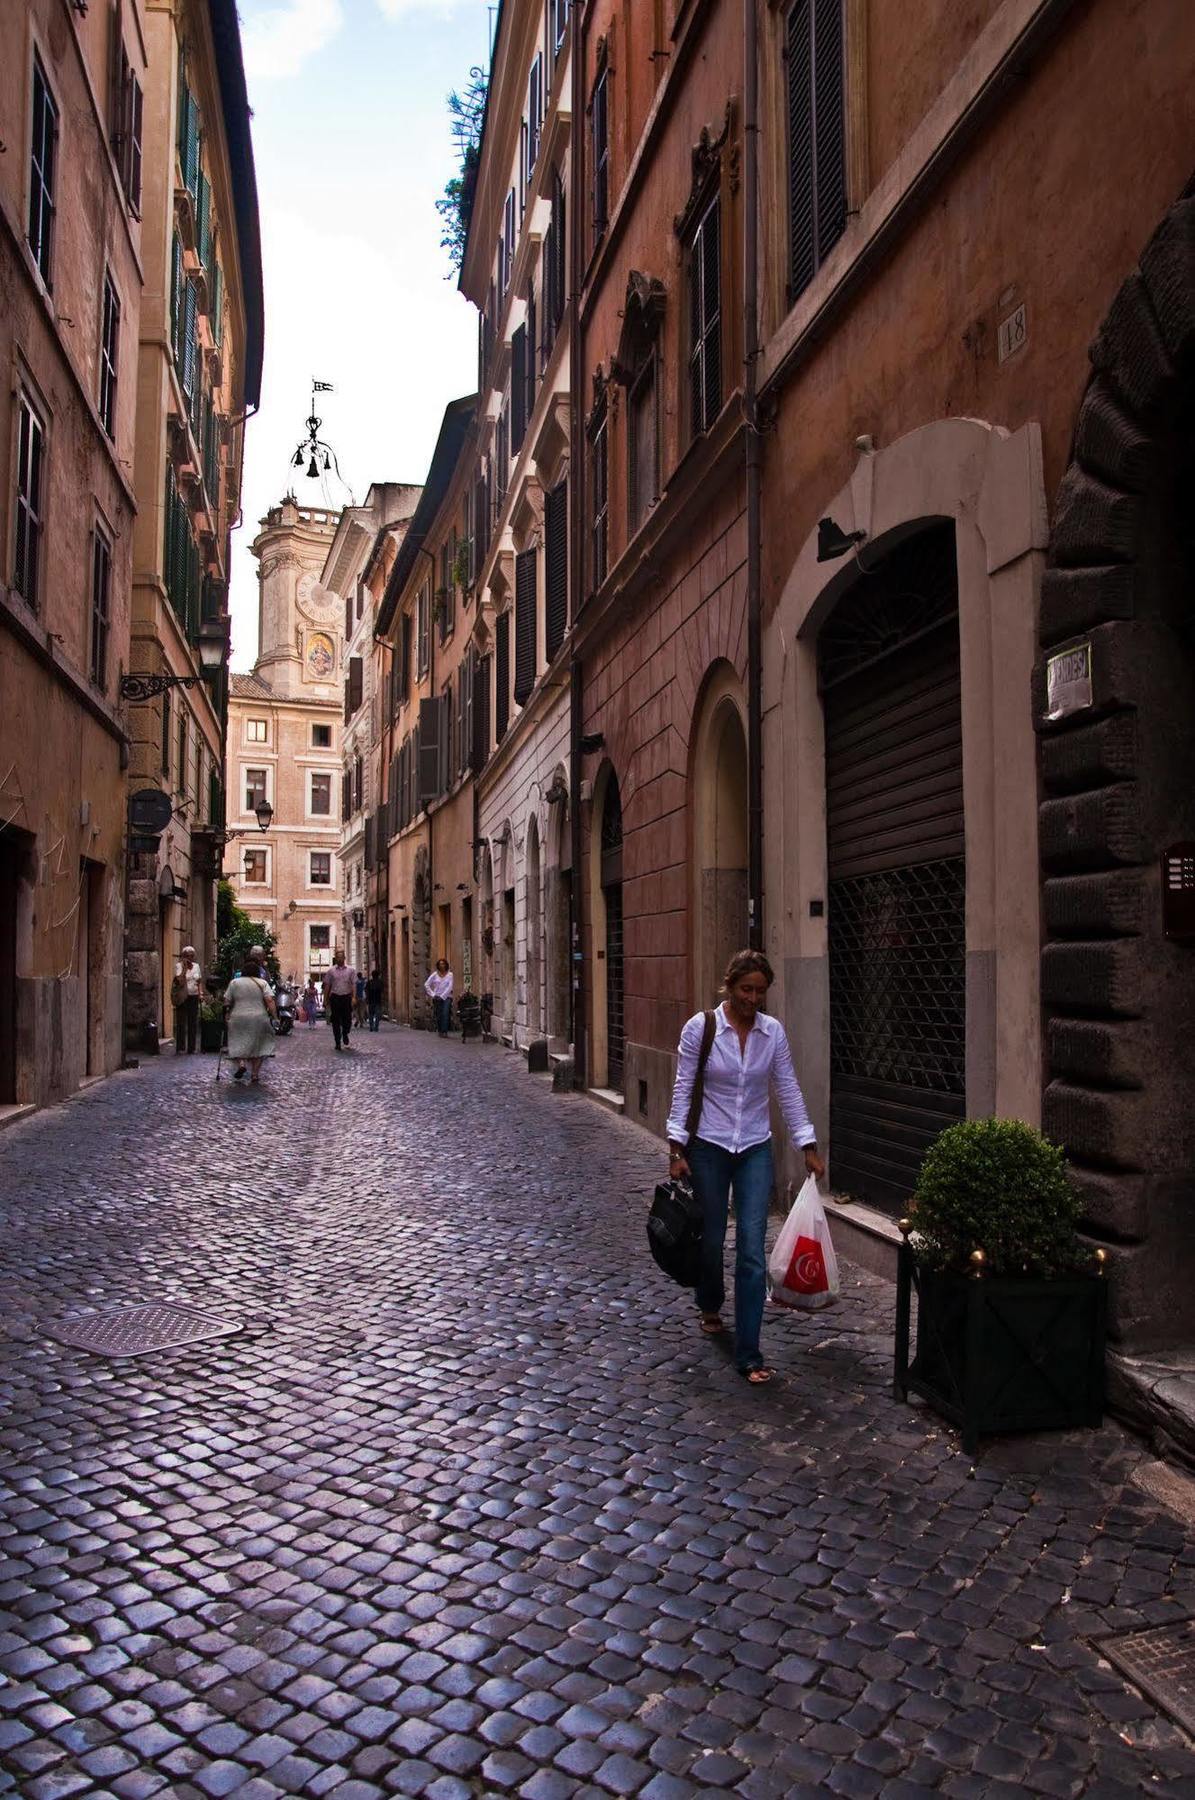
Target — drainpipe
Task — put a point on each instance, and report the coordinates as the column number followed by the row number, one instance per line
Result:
column 751, row 414
column 576, row 972
column 432, row 627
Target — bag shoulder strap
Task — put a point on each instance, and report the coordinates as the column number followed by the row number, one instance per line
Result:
column 698, row 1097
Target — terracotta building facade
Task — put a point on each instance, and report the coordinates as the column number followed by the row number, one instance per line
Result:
column 199, row 372
column 72, row 92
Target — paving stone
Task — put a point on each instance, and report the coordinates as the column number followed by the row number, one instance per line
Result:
column 424, row 1535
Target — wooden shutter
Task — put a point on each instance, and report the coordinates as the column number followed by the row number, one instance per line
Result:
column 556, row 567
column 525, row 610
column 355, row 683
column 431, row 718
column 346, row 797
column 529, row 367
column 518, row 389
column 705, row 322
column 559, row 257
column 479, row 749
column 404, row 663
column 136, row 129
column 502, row 676
column 176, row 301
column 816, row 136
column 348, row 617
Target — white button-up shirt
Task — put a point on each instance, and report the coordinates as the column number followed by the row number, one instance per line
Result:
column 439, row 986
column 734, row 1112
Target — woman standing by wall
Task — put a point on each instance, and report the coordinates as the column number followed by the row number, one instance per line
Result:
column 438, row 988
column 731, row 1148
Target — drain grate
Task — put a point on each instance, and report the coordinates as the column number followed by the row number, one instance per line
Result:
column 138, row 1330
column 1161, row 1662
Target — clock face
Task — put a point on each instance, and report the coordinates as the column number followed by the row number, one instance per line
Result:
column 316, row 602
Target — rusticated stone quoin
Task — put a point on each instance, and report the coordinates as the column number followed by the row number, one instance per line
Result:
column 1099, row 1126
column 1095, row 906
column 1168, row 266
column 1099, row 1051
column 1090, row 756
column 1114, row 1205
column 1109, row 444
column 1131, row 355
column 1094, row 523
column 1076, row 600
column 1090, row 831
column 1093, row 978
column 1121, row 654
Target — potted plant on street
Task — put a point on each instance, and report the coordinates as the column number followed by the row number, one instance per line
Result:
column 1011, row 1304
column 211, row 1023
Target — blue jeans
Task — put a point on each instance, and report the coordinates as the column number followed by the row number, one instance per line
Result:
column 443, row 1016
column 715, row 1172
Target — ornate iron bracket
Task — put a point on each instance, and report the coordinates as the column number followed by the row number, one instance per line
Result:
column 146, row 687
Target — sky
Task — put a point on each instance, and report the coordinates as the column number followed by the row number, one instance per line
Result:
column 352, row 149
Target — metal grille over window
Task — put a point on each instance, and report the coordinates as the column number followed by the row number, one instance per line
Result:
column 525, row 621
column 556, row 567
column 705, row 320
column 889, row 659
column 816, row 137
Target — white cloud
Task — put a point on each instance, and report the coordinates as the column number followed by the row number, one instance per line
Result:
column 278, row 41
column 398, row 9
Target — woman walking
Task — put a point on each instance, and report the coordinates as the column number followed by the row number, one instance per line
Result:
column 438, row 987
column 731, row 1148
column 249, row 1005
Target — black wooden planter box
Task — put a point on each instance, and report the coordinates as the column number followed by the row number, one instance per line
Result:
column 1002, row 1353
column 211, row 1034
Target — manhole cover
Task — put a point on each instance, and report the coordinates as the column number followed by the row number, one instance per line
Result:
column 1161, row 1662
column 138, row 1330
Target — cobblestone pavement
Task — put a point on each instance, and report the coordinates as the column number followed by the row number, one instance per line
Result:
column 468, row 1507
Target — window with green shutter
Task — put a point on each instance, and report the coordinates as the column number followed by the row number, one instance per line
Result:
column 525, row 623
column 502, row 676
column 555, row 568
column 816, row 137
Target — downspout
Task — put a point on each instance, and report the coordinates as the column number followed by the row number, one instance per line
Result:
column 576, row 550
column 432, row 627
column 755, row 924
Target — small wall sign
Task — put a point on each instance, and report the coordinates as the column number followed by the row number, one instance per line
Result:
column 1068, row 681
column 1178, row 893
column 1012, row 335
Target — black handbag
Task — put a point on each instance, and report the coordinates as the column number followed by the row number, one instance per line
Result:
column 675, row 1223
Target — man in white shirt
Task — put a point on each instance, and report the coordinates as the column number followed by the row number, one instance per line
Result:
column 438, row 988
column 340, row 984
column 185, row 992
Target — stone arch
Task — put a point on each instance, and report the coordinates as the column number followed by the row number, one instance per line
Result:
column 533, row 960
column 1118, row 785
column 558, row 911
column 505, row 927
column 988, row 483
column 718, row 830
column 605, row 875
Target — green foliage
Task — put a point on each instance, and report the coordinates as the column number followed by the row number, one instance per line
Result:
column 466, row 112
column 212, row 1010
column 236, row 934
column 998, row 1186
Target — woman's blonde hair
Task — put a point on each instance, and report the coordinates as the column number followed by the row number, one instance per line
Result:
column 747, row 962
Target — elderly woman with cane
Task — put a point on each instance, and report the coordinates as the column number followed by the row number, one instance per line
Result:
column 250, row 1007
column 743, row 1060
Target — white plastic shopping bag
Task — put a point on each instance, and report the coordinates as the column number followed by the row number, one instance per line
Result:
column 803, row 1266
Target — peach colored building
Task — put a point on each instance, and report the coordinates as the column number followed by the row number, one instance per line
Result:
column 72, row 190
column 285, row 725
column 201, row 333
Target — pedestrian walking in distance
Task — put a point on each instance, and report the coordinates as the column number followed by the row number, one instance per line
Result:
column 439, row 987
column 731, row 1148
column 373, row 999
column 185, row 992
column 340, row 985
column 249, row 1005
column 311, row 1001
column 359, row 1001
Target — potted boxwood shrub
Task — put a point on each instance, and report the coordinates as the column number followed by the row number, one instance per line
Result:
column 211, row 1023
column 1011, row 1304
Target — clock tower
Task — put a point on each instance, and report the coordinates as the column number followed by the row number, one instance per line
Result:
column 300, row 623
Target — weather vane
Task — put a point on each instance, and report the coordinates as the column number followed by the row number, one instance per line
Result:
column 320, row 457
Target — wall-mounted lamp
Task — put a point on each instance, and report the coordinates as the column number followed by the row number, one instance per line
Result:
column 462, row 887
column 593, row 740
column 833, row 541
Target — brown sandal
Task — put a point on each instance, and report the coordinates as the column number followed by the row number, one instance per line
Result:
column 711, row 1325
column 758, row 1377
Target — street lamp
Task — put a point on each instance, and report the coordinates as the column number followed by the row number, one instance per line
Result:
column 265, row 814
column 213, row 652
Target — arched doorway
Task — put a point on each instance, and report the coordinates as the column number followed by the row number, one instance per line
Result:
column 719, row 788
column 611, row 885
column 533, row 949
column 889, row 673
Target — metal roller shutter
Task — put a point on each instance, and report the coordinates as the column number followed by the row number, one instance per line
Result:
column 897, row 887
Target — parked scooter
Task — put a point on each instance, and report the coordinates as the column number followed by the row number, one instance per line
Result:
column 284, row 1012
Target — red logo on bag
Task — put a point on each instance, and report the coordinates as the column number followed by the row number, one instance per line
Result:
column 806, row 1272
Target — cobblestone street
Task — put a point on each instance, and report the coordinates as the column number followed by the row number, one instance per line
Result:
column 467, row 1506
